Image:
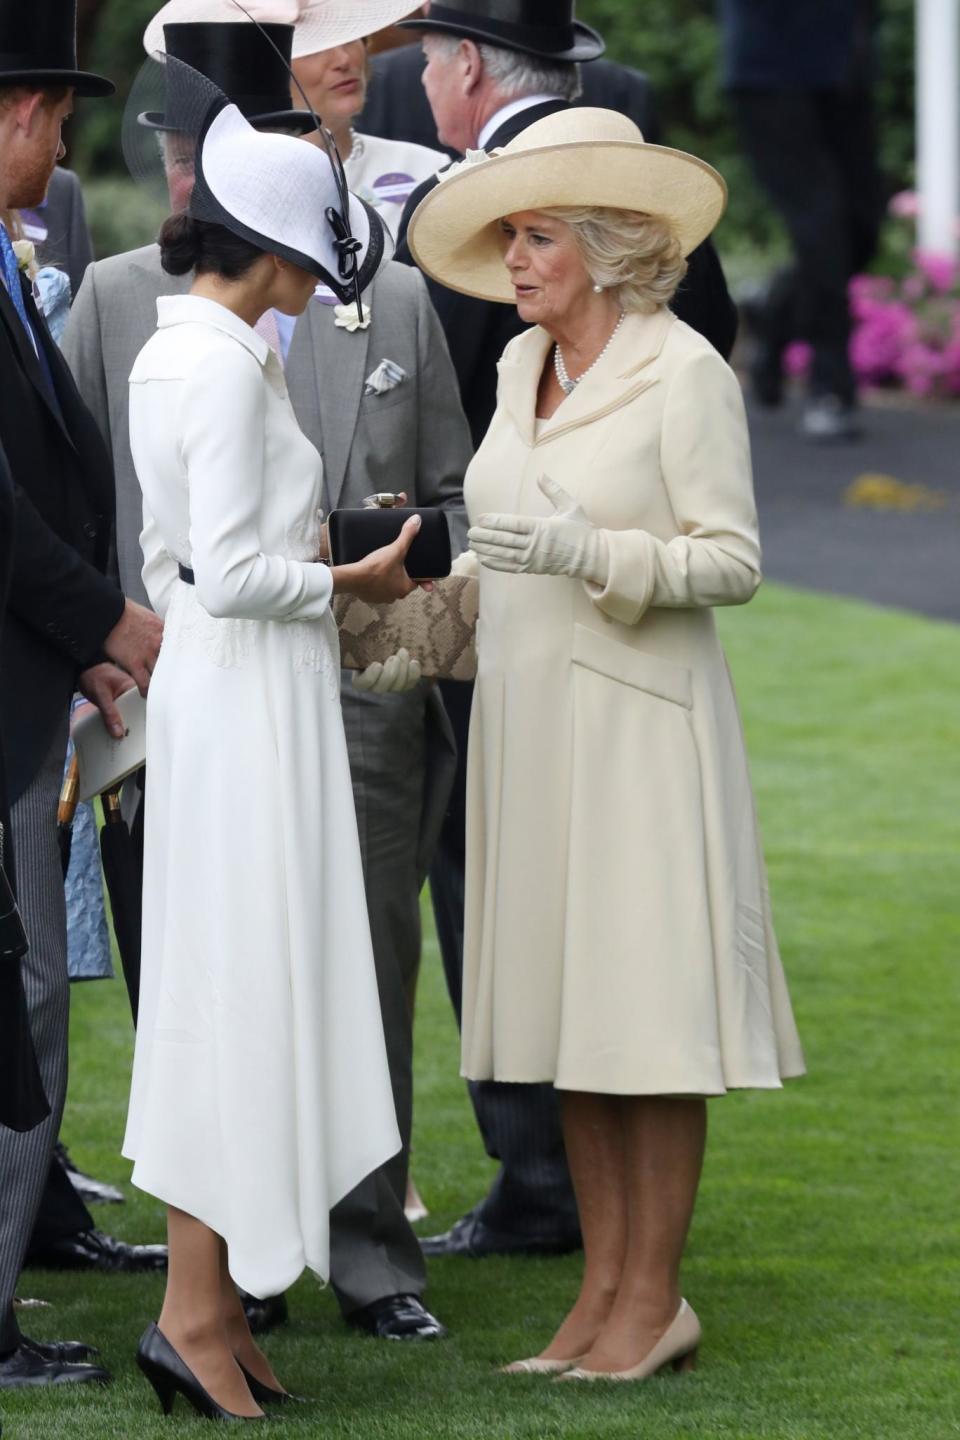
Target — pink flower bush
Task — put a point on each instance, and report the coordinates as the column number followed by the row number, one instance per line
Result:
column 905, row 332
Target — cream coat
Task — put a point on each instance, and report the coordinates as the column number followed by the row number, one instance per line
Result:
column 618, row 931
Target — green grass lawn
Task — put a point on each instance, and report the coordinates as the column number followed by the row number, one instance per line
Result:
column 823, row 1259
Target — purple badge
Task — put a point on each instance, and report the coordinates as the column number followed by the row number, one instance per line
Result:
column 394, row 187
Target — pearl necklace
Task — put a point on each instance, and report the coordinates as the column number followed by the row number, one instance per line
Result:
column 563, row 379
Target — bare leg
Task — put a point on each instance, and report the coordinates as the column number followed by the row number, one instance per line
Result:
column 192, row 1315
column 242, row 1343
column 594, row 1138
column 665, row 1141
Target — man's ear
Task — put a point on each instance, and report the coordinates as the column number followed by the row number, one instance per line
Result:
column 471, row 65
column 27, row 109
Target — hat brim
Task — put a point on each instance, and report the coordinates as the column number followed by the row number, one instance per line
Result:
column 83, row 82
column 297, row 122
column 588, row 45
column 454, row 234
column 315, row 28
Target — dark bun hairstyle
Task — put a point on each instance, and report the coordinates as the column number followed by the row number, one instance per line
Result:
column 187, row 244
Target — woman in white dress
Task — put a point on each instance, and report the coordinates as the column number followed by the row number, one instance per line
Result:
column 261, row 1093
column 618, row 939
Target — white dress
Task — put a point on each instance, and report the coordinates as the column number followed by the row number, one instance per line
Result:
column 261, row 1093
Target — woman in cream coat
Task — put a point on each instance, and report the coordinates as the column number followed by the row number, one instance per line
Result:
column 618, row 932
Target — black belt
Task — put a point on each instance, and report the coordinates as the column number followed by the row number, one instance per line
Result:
column 187, row 575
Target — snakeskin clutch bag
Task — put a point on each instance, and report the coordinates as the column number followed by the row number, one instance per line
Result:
column 438, row 627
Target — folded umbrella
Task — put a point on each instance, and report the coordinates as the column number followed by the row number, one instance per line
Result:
column 123, row 872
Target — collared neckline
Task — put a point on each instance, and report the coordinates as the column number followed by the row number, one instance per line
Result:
column 198, row 310
column 620, row 375
column 507, row 112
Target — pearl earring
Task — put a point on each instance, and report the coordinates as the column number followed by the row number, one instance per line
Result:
column 598, row 289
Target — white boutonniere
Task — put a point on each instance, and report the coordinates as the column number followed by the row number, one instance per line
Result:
column 26, row 253
column 345, row 317
column 472, row 157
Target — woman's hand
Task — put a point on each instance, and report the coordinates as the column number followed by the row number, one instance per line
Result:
column 103, row 685
column 380, row 576
column 563, row 544
column 393, row 676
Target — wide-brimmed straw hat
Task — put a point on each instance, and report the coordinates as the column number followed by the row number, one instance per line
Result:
column 575, row 157
column 318, row 24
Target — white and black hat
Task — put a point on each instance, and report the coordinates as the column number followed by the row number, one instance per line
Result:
column 282, row 194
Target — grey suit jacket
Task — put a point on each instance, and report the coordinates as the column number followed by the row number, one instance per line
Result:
column 413, row 438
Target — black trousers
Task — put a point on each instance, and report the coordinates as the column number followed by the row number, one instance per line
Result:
column 532, row 1194
column 814, row 152
column 62, row 1213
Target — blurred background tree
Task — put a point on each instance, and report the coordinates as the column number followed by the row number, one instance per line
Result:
column 675, row 41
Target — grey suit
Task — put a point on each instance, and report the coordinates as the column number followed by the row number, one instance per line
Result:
column 412, row 438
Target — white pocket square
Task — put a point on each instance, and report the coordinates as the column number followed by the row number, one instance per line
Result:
column 387, row 376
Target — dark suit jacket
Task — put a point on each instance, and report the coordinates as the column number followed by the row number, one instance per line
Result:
column 60, row 607
column 478, row 331
column 397, row 107
column 66, row 242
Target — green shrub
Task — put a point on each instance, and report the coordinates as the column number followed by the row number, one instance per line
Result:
column 122, row 215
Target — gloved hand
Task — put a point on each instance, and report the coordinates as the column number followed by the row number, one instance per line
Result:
column 562, row 544
column 392, row 676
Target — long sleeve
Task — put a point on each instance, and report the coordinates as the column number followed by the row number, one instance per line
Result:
column 222, row 417
column 705, row 463
column 160, row 569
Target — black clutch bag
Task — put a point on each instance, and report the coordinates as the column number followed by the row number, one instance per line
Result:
column 353, row 534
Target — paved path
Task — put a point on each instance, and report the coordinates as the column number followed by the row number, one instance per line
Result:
column 813, row 536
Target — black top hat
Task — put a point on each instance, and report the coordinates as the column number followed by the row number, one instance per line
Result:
column 545, row 28
column 38, row 46
column 241, row 61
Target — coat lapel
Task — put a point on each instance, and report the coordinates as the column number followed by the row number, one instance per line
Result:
column 622, row 375
column 28, row 356
column 339, row 360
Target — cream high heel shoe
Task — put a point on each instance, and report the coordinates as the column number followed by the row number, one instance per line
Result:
column 677, row 1346
column 536, row 1366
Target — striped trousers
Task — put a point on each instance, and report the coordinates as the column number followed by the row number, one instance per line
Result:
column 25, row 1159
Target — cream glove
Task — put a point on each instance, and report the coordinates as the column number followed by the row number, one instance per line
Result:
column 564, row 544
column 392, row 676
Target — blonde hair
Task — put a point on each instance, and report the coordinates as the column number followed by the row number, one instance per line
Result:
column 635, row 255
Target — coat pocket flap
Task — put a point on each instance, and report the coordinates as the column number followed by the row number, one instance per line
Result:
column 632, row 667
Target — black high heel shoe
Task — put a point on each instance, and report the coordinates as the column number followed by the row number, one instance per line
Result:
column 265, row 1394
column 169, row 1376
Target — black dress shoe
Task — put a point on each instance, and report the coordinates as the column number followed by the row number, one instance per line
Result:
column 72, row 1351
column 470, row 1237
column 91, row 1191
column 26, row 1367
column 92, row 1250
column 170, row 1377
column 264, row 1315
column 397, row 1317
